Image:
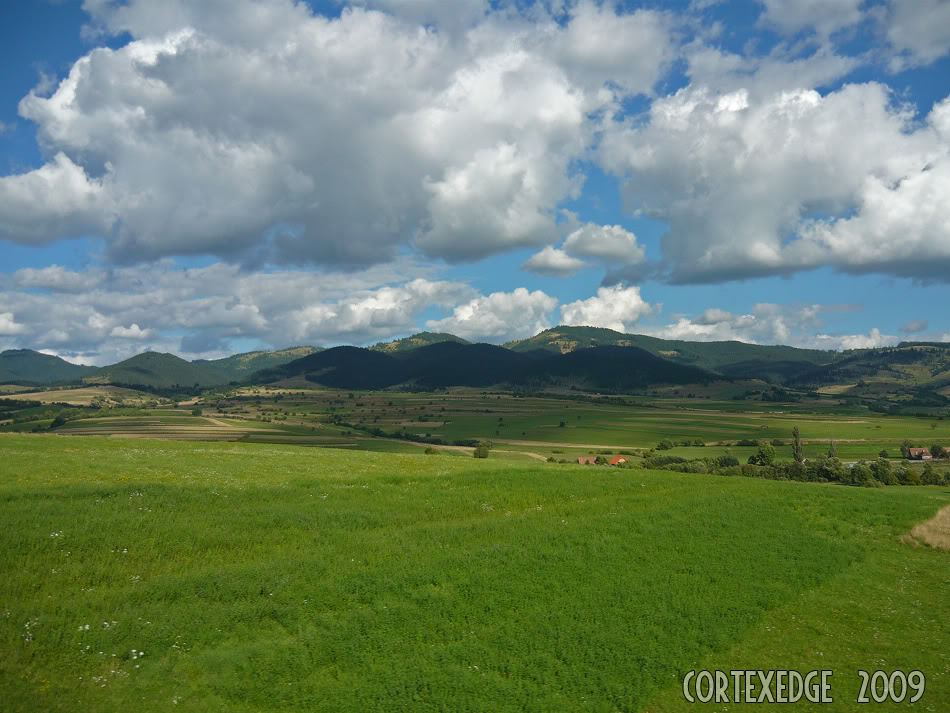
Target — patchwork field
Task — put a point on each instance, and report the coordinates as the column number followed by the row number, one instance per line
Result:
column 163, row 575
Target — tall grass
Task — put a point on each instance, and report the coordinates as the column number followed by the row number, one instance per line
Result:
column 276, row 578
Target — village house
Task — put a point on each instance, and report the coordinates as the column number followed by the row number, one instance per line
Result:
column 587, row 460
column 617, row 460
column 919, row 454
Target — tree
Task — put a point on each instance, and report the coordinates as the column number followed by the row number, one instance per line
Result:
column 929, row 476
column 938, row 451
column 883, row 453
column 833, row 450
column 765, row 454
column 561, row 424
column 798, row 452
column 664, row 445
column 481, row 451
column 881, row 469
column 196, row 411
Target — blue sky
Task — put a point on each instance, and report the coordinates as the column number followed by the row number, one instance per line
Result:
column 204, row 178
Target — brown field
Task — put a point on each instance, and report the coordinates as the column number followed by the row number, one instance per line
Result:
column 933, row 533
column 83, row 396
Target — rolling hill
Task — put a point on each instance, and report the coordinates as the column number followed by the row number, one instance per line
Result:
column 773, row 363
column 416, row 341
column 451, row 363
column 238, row 367
column 160, row 371
column 25, row 366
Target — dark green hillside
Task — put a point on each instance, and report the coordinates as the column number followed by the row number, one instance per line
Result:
column 769, row 362
column 612, row 368
column 158, row 371
column 239, row 367
column 25, row 366
column 452, row 364
column 341, row 367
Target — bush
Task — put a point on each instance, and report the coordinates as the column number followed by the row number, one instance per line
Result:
column 430, row 451
column 196, row 411
column 747, row 442
column 664, row 445
column 481, row 451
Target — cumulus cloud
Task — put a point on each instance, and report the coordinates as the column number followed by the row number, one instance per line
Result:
column 872, row 339
column 462, row 142
column 825, row 16
column 133, row 331
column 915, row 326
column 9, row 326
column 553, row 262
column 765, row 323
column 790, row 181
column 918, row 31
column 608, row 243
column 616, row 307
column 500, row 316
column 198, row 312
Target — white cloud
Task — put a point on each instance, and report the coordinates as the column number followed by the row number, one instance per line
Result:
column 918, row 30
column 133, row 331
column 57, row 278
column 388, row 133
column 872, row 339
column 499, row 316
column 742, row 182
column 825, row 16
column 615, row 307
column 553, row 262
column 9, row 326
column 609, row 243
column 765, row 323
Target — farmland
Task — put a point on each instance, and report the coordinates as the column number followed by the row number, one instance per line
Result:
column 237, row 576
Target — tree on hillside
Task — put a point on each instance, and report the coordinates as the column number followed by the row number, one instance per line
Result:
column 938, row 451
column 929, row 475
column 481, row 451
column 765, row 454
column 798, row 452
column 833, row 450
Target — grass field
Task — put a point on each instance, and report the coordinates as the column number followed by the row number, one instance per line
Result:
column 82, row 396
column 161, row 575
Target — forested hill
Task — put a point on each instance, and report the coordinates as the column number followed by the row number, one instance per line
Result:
column 25, row 366
column 731, row 358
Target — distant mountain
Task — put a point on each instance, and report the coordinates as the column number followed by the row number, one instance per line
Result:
column 158, row 370
column 239, row 367
column 731, row 358
column 449, row 363
column 416, row 341
column 25, row 366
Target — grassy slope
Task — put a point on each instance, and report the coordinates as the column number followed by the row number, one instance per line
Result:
column 239, row 367
column 707, row 355
column 274, row 578
column 26, row 365
column 159, row 370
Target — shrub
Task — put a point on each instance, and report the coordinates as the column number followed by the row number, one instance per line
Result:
column 430, row 451
column 196, row 411
column 664, row 445
column 480, row 452
column 747, row 442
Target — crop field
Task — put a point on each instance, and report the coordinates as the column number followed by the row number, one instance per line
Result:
column 172, row 576
column 80, row 396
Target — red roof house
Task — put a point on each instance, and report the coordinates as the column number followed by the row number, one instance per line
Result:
column 617, row 460
column 919, row 454
column 586, row 460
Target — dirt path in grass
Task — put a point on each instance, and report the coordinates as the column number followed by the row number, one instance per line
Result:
column 933, row 533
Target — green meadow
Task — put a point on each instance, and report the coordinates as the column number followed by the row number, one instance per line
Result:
column 173, row 576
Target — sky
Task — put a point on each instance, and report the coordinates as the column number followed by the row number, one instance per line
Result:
column 216, row 177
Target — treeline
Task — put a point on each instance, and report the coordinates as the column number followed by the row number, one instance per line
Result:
column 823, row 469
